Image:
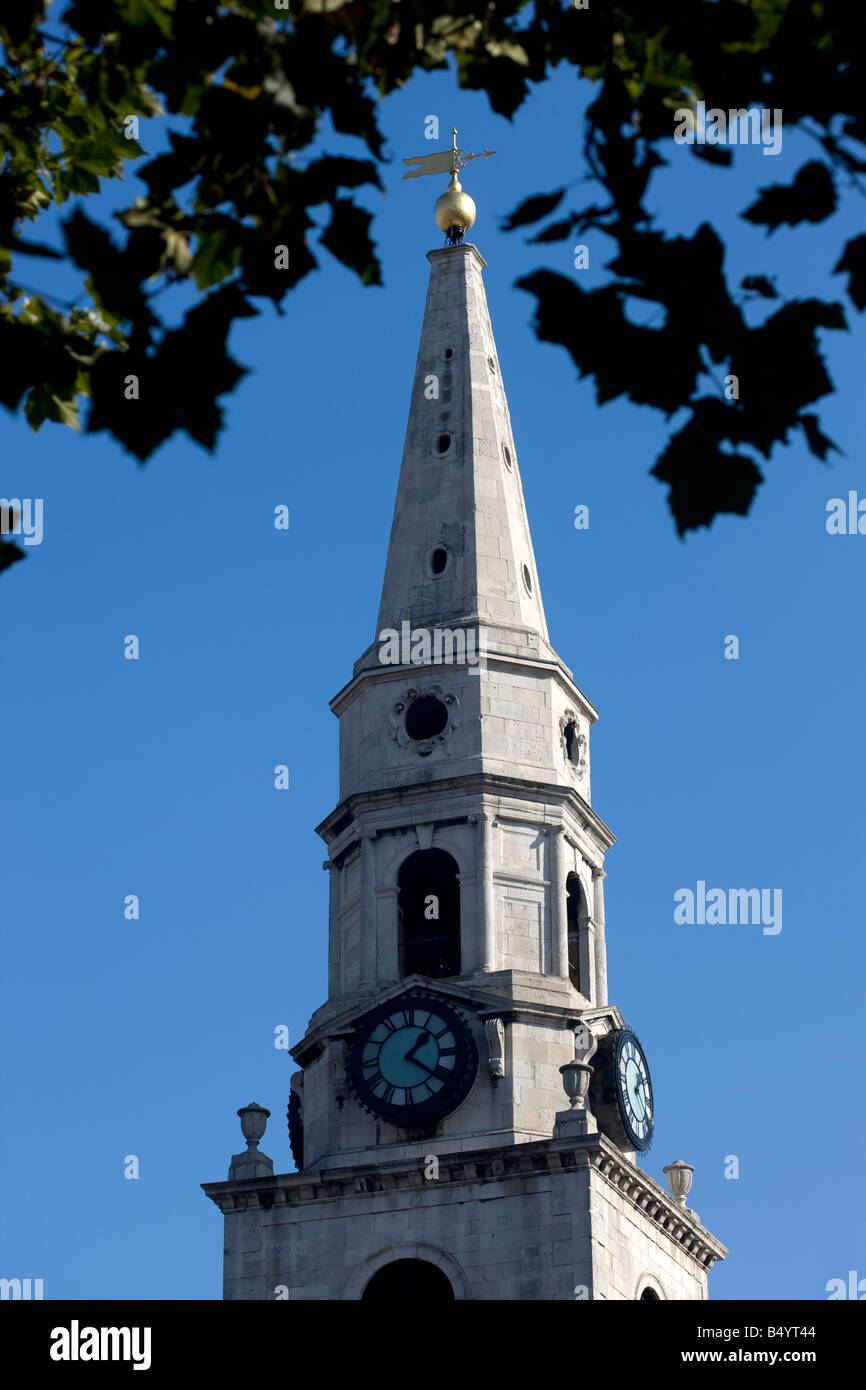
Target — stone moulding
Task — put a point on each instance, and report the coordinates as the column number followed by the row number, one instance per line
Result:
column 381, row 803
column 514, row 1163
column 640, row 1190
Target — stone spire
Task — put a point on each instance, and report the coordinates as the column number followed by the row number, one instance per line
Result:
column 460, row 551
column 461, row 639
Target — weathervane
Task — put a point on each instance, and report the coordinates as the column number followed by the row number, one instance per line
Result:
column 454, row 210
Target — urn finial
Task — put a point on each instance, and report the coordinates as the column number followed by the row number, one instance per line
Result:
column 679, row 1178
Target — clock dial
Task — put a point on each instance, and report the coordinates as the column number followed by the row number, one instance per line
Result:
column 633, row 1089
column 412, row 1059
column 620, row 1090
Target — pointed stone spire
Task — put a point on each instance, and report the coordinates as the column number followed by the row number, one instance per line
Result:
column 460, row 549
column 460, row 678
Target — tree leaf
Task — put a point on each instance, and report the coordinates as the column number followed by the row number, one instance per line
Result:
column 557, row 231
column 347, row 237
column 702, row 478
column 810, row 198
column 759, row 284
column 533, row 209
column 818, row 443
column 853, row 259
column 9, row 553
column 220, row 248
column 41, row 405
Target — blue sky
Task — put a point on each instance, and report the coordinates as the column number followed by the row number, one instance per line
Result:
column 155, row 777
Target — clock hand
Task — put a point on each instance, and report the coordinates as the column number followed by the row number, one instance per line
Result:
column 418, row 1063
column 408, row 1057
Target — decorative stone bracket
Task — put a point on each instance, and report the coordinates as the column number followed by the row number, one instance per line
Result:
column 494, row 1031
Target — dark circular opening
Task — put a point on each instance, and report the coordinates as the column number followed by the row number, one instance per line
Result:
column 491, row 364
column 443, row 443
column 426, row 717
column 507, row 454
column 527, row 579
column 438, row 560
column 448, row 353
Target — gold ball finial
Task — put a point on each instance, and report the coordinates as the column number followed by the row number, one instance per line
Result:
column 454, row 208
column 455, row 212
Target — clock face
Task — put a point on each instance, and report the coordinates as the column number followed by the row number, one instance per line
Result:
column 634, row 1092
column 412, row 1059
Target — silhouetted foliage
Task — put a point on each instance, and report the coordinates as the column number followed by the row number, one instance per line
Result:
column 251, row 83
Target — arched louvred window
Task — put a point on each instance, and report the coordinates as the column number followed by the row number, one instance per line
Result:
column 428, row 910
column 577, row 918
column 409, row 1281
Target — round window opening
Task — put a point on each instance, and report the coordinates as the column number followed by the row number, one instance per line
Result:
column 443, row 443
column 448, row 354
column 426, row 717
column 527, row 579
column 506, row 454
column 439, row 560
column 492, row 365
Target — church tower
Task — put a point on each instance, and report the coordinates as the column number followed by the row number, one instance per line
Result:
column 469, row 1106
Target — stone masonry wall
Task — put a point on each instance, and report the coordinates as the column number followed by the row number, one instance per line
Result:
column 541, row 1236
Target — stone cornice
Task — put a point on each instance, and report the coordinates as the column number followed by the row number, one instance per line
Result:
column 500, row 994
column 679, row 1223
column 482, row 1166
column 466, row 249
column 551, row 666
column 481, row 783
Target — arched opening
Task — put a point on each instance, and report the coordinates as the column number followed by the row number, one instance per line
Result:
column 409, row 1281
column 577, row 919
column 651, row 1295
column 428, row 913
